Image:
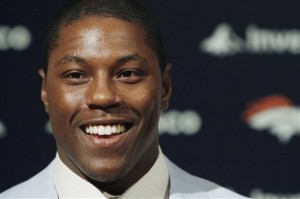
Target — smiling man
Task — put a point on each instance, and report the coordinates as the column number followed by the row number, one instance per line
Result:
column 105, row 82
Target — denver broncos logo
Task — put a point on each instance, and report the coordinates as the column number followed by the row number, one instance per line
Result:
column 276, row 114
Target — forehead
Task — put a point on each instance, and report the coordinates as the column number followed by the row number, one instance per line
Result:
column 102, row 26
column 100, row 34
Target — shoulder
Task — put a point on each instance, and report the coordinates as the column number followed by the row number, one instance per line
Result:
column 40, row 185
column 185, row 185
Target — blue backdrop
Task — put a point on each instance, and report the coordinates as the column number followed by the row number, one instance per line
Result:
column 234, row 117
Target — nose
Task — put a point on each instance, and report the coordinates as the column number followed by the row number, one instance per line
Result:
column 101, row 95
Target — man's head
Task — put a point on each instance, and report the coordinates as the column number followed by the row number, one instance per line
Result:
column 103, row 91
column 128, row 10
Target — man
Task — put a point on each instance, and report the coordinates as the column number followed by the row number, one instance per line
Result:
column 104, row 86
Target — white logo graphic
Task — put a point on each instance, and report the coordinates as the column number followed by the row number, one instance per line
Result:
column 258, row 194
column 225, row 42
column 222, row 42
column 174, row 122
column 3, row 130
column 16, row 38
column 275, row 114
column 48, row 128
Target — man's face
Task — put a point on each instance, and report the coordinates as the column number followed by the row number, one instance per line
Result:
column 103, row 92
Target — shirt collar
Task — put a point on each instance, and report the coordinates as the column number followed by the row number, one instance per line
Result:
column 70, row 185
column 154, row 184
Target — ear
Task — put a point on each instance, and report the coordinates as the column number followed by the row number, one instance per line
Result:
column 44, row 96
column 166, row 87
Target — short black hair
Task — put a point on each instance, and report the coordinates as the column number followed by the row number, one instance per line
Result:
column 128, row 10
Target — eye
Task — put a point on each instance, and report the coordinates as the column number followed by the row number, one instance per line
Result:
column 130, row 76
column 75, row 77
column 126, row 74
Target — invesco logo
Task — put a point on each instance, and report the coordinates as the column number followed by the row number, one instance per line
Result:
column 175, row 122
column 15, row 38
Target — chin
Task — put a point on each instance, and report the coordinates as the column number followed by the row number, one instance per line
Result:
column 104, row 174
column 107, row 177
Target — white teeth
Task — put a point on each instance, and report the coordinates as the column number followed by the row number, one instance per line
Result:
column 114, row 129
column 105, row 129
column 94, row 130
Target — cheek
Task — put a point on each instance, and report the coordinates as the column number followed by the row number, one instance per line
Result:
column 145, row 101
column 62, row 104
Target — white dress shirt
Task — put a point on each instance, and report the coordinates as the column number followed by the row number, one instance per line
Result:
column 154, row 184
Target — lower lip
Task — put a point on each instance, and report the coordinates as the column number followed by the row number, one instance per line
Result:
column 107, row 140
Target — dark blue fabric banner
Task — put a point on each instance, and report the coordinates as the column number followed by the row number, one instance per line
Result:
column 234, row 116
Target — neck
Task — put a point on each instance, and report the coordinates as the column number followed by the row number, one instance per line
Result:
column 119, row 186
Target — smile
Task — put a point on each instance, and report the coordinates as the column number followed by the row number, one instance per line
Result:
column 106, row 129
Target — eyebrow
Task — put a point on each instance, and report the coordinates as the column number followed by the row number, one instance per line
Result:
column 70, row 58
column 131, row 57
column 76, row 59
